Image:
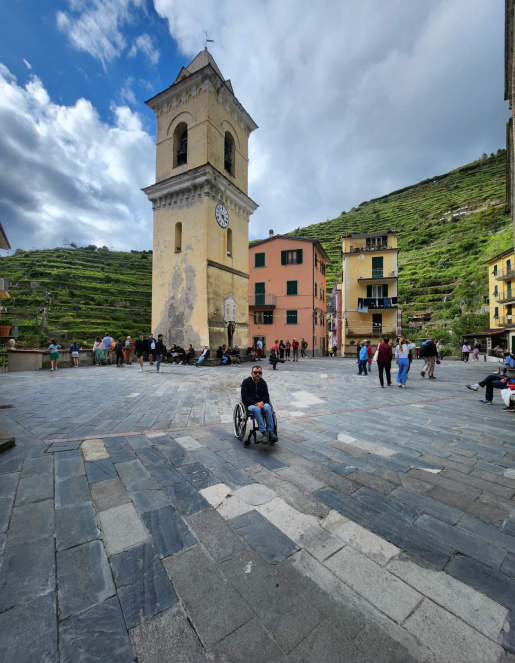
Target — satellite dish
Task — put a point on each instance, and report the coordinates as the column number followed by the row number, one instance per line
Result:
column 362, row 257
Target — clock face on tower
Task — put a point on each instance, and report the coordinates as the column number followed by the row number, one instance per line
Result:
column 222, row 216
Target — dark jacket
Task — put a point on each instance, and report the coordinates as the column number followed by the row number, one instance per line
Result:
column 141, row 345
column 220, row 352
column 254, row 392
column 149, row 342
column 118, row 348
column 160, row 348
column 430, row 349
column 190, row 353
column 384, row 353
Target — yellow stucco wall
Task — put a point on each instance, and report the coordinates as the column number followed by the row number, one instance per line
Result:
column 498, row 287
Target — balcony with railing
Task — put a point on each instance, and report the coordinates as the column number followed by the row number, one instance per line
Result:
column 371, row 248
column 377, row 273
column 505, row 296
column 262, row 301
column 378, row 303
column 505, row 274
column 363, row 331
column 505, row 321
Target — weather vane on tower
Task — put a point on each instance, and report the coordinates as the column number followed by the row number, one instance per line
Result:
column 208, row 41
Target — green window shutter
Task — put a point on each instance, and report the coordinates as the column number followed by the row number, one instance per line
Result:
column 268, row 318
column 291, row 287
column 316, row 289
column 283, row 257
column 299, row 256
column 259, row 294
column 385, row 290
column 369, row 291
column 259, row 260
column 291, row 317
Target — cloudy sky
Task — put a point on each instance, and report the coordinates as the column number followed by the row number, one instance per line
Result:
column 353, row 100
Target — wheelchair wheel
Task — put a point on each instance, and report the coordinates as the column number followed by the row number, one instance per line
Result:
column 240, row 421
column 275, row 426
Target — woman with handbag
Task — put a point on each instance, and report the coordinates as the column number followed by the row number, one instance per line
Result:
column 383, row 356
column 274, row 355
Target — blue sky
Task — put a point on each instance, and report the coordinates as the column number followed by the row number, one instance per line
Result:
column 352, row 99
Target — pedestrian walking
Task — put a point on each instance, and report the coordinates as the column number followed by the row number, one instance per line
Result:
column 370, row 355
column 129, row 350
column 107, row 344
column 274, row 355
column 295, row 347
column 384, row 361
column 475, row 351
column 303, row 348
column 282, row 348
column 53, row 348
column 259, row 345
column 288, row 350
column 151, row 348
column 98, row 352
column 141, row 346
column 160, row 351
column 465, row 351
column 363, row 360
column 74, row 352
column 430, row 353
column 335, row 350
column 402, row 360
column 118, row 351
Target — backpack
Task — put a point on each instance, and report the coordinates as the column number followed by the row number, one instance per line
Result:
column 127, row 344
column 112, row 346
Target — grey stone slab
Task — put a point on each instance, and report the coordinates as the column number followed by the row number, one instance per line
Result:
column 165, row 474
column 379, row 646
column 373, row 481
column 248, row 643
column 6, row 505
column 68, row 467
column 186, row 499
column 84, row 578
column 169, row 531
column 215, row 534
column 346, row 505
column 8, row 484
column 425, row 504
column 167, row 637
column 35, row 488
column 385, row 504
column 31, row 522
column 150, row 456
column 27, row 571
column 72, row 492
column 489, row 533
column 75, row 525
column 28, row 633
column 122, row 457
column 489, row 554
column 508, row 567
column 486, row 580
column 98, row 634
column 60, row 447
column 339, row 468
column 509, row 526
column 414, row 541
column 100, row 470
column 216, row 444
column 138, row 441
column 123, row 528
column 34, row 466
column 480, row 484
column 135, row 476
column 300, row 480
column 143, row 586
column 266, row 539
column 266, row 459
column 3, row 537
column 210, row 459
column 212, row 619
column 389, row 463
column 71, row 453
column 198, row 475
column 13, row 465
column 231, row 476
column 148, row 500
column 110, row 493
column 326, row 644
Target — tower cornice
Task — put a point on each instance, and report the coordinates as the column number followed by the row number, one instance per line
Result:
column 193, row 185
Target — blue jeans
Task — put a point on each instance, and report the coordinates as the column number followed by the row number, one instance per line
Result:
column 200, row 360
column 225, row 360
column 362, row 364
column 402, row 375
column 158, row 361
column 259, row 417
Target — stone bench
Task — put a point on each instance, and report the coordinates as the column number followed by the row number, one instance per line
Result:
column 7, row 440
column 214, row 361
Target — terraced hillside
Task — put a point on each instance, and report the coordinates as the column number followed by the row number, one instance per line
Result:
column 446, row 225
column 86, row 293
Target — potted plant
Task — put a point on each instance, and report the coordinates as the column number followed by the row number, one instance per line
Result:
column 5, row 326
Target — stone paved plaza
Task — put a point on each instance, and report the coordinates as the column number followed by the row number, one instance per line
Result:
column 135, row 526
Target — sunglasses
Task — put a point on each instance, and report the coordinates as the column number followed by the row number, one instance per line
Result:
column 258, row 372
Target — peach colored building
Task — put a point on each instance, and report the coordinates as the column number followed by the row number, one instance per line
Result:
column 287, row 292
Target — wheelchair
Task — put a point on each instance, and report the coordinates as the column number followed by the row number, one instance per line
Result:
column 240, row 417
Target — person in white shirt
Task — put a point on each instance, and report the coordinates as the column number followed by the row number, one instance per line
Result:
column 203, row 355
column 466, row 351
column 402, row 359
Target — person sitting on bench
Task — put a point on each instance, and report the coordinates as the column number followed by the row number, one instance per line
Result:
column 254, row 394
column 491, row 382
column 190, row 354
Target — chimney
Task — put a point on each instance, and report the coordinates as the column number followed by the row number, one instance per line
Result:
column 270, row 233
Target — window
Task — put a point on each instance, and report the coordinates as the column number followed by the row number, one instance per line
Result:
column 495, row 270
column 229, row 242
column 178, row 237
column 315, row 339
column 263, row 318
column 377, row 290
column 316, row 259
column 316, row 290
column 291, row 257
column 322, row 267
column 315, row 318
column 291, row 288
column 321, row 319
column 291, row 317
column 377, row 268
column 180, row 144
column 508, row 265
column 229, row 153
column 496, row 312
column 496, row 290
column 259, row 260
column 259, row 294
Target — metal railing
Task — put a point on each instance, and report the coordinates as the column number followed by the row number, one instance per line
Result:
column 362, row 331
column 377, row 273
column 379, row 303
column 265, row 301
column 505, row 274
column 365, row 249
column 505, row 320
column 504, row 296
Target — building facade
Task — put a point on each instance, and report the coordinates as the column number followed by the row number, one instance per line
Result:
column 501, row 293
column 369, row 288
column 287, row 292
column 334, row 317
column 201, row 210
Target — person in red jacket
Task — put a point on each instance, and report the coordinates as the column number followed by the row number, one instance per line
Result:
column 370, row 355
column 384, row 361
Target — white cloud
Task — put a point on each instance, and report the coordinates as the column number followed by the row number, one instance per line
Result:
column 95, row 26
column 27, row 63
column 127, row 92
column 353, row 100
column 65, row 172
column 145, row 44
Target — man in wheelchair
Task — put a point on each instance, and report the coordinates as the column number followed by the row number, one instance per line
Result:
column 254, row 394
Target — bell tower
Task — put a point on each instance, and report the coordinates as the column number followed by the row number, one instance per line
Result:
column 200, row 269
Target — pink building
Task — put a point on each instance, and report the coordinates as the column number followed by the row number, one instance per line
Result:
column 287, row 292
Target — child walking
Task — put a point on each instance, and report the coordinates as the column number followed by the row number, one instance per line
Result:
column 53, row 348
